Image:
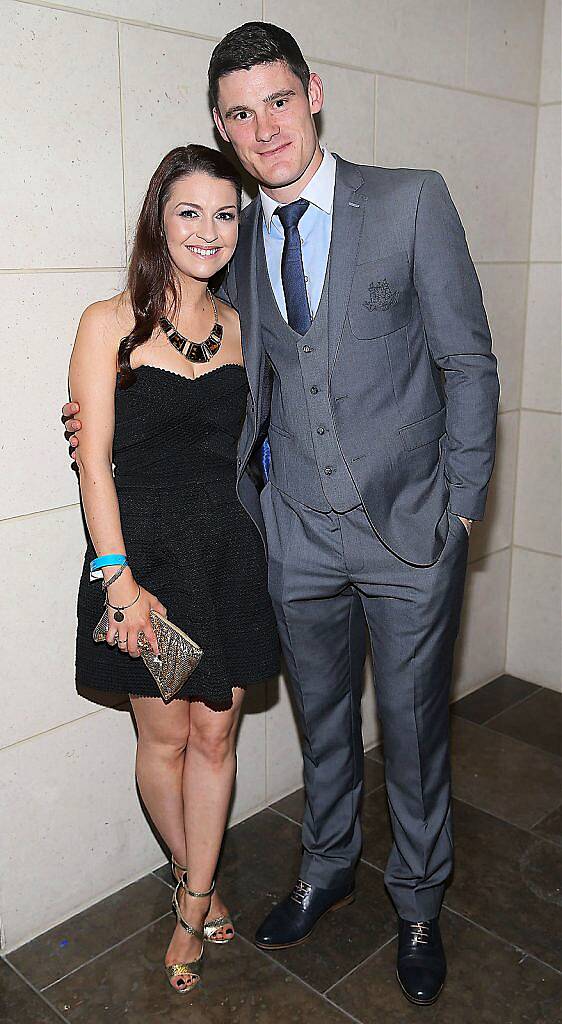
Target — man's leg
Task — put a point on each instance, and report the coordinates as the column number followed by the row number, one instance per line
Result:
column 322, row 630
column 413, row 618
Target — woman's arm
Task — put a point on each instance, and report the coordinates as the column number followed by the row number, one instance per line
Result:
column 93, row 367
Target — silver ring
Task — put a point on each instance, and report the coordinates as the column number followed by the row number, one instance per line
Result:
column 120, row 642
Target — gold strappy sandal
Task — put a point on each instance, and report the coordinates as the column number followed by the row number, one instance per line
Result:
column 210, row 928
column 191, row 968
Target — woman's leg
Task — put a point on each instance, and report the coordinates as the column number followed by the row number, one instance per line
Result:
column 208, row 778
column 209, row 771
column 163, row 733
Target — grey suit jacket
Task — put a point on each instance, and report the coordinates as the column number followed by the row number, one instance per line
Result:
column 412, row 379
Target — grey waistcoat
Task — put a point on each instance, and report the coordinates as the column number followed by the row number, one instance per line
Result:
column 306, row 459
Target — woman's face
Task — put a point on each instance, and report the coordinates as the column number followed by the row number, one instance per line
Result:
column 201, row 224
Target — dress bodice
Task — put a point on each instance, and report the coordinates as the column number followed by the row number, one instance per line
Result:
column 165, row 421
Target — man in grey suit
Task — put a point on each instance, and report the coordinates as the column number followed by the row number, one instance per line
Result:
column 369, row 362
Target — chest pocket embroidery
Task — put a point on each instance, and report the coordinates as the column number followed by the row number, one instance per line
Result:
column 381, row 297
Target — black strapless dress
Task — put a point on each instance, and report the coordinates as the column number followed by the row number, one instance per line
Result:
column 187, row 537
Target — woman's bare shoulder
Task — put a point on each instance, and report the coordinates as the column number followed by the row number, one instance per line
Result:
column 113, row 317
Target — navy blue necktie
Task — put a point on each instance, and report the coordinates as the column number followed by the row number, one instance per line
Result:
column 292, row 271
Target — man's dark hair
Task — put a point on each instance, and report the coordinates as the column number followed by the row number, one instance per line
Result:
column 254, row 43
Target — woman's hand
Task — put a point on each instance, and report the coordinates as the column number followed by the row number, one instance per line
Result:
column 136, row 618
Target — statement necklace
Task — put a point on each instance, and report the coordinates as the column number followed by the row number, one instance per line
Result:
column 196, row 351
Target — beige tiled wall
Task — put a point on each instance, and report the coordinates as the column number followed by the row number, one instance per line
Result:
column 95, row 92
column 534, row 648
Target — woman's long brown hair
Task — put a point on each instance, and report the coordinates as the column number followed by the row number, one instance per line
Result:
column 152, row 282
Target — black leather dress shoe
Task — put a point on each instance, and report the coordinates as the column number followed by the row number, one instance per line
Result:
column 295, row 918
column 421, row 966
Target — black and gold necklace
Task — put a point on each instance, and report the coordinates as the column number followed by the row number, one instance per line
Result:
column 196, row 351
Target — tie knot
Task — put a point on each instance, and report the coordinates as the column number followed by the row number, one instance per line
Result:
column 290, row 214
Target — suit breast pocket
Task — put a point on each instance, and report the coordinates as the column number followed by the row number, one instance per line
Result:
column 381, row 297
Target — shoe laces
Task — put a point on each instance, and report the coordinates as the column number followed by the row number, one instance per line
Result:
column 300, row 891
column 419, row 933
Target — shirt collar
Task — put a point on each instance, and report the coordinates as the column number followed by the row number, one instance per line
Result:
column 319, row 191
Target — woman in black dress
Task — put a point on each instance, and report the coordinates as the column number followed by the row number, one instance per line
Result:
column 170, row 425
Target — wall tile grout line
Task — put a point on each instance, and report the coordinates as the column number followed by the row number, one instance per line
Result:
column 522, row 363
column 99, row 16
column 122, row 125
column 109, row 949
column 53, row 728
column 39, row 512
column 375, row 116
column 59, row 270
column 37, row 991
column 538, row 551
column 467, row 29
column 310, row 58
column 547, row 412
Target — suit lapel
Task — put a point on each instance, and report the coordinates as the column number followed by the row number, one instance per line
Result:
column 347, row 227
column 247, row 288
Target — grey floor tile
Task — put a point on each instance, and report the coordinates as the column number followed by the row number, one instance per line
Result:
column 488, row 981
column 68, row 945
column 537, row 721
column 501, row 775
column 508, row 881
column 19, row 1004
column 493, row 698
column 240, row 986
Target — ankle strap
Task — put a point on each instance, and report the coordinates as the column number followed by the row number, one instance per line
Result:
column 197, row 895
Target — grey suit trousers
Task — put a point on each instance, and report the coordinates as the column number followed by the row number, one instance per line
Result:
column 322, row 568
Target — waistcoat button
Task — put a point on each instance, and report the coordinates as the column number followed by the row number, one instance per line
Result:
column 328, row 470
column 314, row 390
column 320, row 430
column 306, row 348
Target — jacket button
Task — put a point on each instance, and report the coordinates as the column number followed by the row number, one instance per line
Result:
column 328, row 470
column 314, row 390
column 306, row 348
column 320, row 430
column 239, row 461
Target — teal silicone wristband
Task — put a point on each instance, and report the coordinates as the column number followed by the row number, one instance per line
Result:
column 97, row 564
column 104, row 560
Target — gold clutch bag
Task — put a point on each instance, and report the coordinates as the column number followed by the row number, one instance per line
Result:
column 178, row 656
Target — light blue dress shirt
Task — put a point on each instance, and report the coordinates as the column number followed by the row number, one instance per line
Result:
column 315, row 229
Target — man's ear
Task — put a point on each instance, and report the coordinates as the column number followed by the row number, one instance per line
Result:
column 315, row 93
column 219, row 125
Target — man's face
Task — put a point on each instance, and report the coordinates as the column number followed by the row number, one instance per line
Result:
column 267, row 116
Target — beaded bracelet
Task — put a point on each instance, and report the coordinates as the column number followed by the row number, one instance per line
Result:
column 115, row 576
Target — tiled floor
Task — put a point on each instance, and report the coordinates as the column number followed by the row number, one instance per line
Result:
column 501, row 921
